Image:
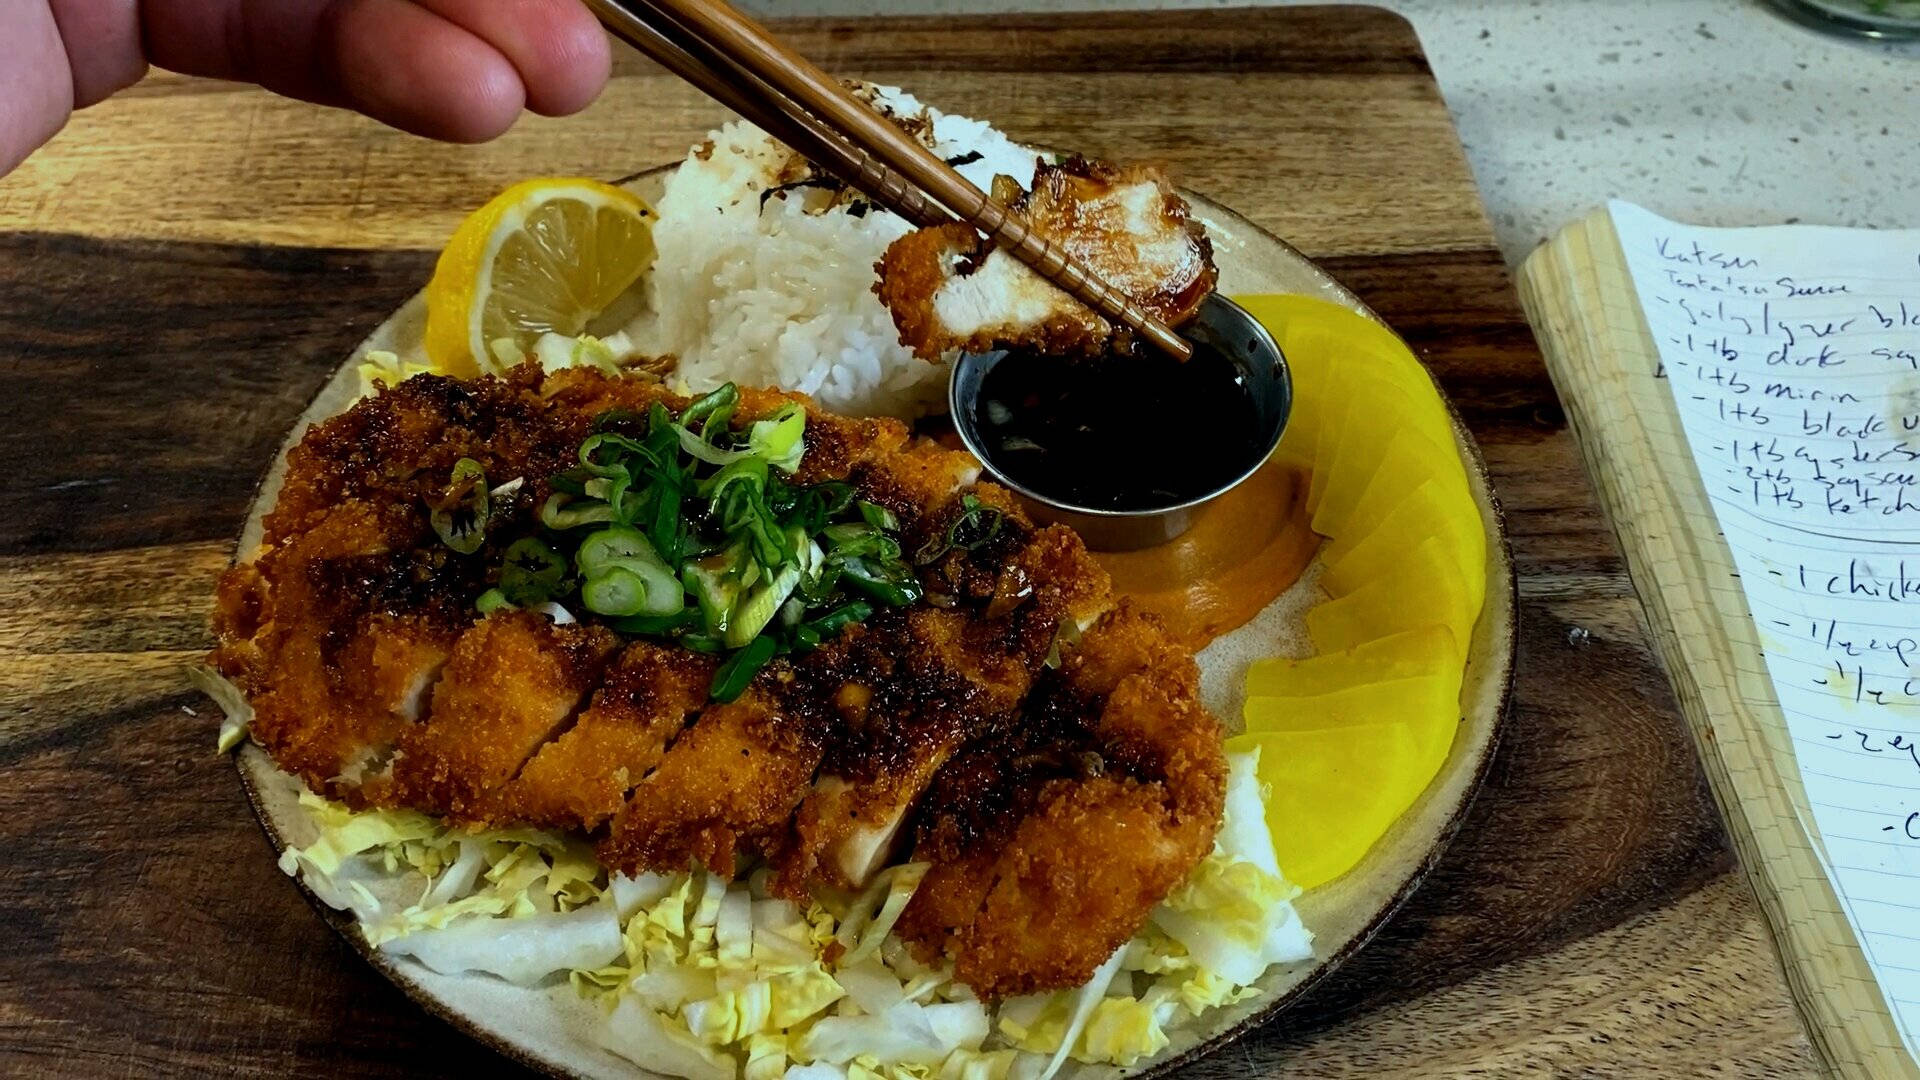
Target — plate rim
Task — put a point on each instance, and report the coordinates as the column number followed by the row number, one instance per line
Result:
column 1506, row 649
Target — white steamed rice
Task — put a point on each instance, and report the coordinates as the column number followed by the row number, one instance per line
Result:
column 776, row 295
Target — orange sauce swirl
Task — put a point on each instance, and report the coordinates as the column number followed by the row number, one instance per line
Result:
column 1243, row 550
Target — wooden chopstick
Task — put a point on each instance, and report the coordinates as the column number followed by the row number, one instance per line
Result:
column 883, row 152
column 670, row 46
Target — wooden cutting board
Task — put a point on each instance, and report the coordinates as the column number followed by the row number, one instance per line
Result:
column 182, row 268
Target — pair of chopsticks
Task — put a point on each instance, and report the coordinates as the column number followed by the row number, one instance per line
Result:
column 737, row 63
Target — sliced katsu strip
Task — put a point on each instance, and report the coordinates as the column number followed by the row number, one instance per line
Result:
column 728, row 786
column 1052, row 842
column 339, row 626
column 340, row 652
column 513, row 684
column 948, row 289
column 1060, row 790
column 582, row 778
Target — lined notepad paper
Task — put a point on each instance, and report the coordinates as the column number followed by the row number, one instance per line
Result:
column 1748, row 405
column 1793, row 356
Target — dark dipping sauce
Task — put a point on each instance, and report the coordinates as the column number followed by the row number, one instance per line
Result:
column 1119, row 432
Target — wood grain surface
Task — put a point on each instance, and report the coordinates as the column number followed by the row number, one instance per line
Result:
column 182, row 268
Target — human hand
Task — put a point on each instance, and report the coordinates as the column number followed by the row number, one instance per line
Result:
column 460, row 70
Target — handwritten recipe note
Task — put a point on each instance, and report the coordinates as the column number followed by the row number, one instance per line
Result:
column 1793, row 354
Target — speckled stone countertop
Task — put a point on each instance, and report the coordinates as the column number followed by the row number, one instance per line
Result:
column 1719, row 112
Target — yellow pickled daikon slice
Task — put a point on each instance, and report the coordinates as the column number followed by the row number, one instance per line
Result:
column 1332, row 793
column 1429, row 703
column 1377, row 411
column 1427, row 650
column 1423, row 586
column 1408, row 460
column 1326, row 451
column 1368, row 549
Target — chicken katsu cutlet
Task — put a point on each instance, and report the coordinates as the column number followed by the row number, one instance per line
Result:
column 947, row 288
column 410, row 634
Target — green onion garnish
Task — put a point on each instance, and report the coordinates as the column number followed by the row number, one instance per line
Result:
column 459, row 515
column 977, row 524
column 741, row 667
column 533, row 573
column 686, row 529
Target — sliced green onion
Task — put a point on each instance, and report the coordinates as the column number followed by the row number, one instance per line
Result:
column 692, row 443
column 841, row 617
column 715, row 583
column 891, row 583
column 459, row 516
column 656, row 625
column 571, row 482
column 811, row 508
column 624, row 587
column 607, row 546
column 668, row 533
column 726, row 397
column 879, row 516
column 491, row 601
column 860, row 540
column 590, row 453
column 759, row 606
column 977, row 524
column 690, row 531
column 734, row 676
column 791, row 612
column 778, row 439
column 562, row 512
column 532, row 573
column 615, row 591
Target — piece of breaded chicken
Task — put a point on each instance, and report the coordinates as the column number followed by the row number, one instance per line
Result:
column 1052, row 842
column 916, row 686
column 512, row 685
column 729, row 785
column 947, row 289
column 582, row 778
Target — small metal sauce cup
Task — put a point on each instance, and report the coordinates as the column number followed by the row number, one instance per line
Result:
column 1221, row 323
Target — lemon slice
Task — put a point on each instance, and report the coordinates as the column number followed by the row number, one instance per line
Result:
column 544, row 255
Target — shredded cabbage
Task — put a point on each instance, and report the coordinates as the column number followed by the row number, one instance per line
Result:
column 381, row 369
column 1234, row 916
column 235, row 713
column 707, row 979
column 556, row 352
column 469, row 877
column 522, row 951
column 654, row 1040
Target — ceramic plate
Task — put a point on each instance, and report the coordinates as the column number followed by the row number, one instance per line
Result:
column 548, row 1028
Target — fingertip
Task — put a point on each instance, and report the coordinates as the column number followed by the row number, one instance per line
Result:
column 581, row 63
column 408, row 67
column 571, row 64
column 36, row 87
column 557, row 46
